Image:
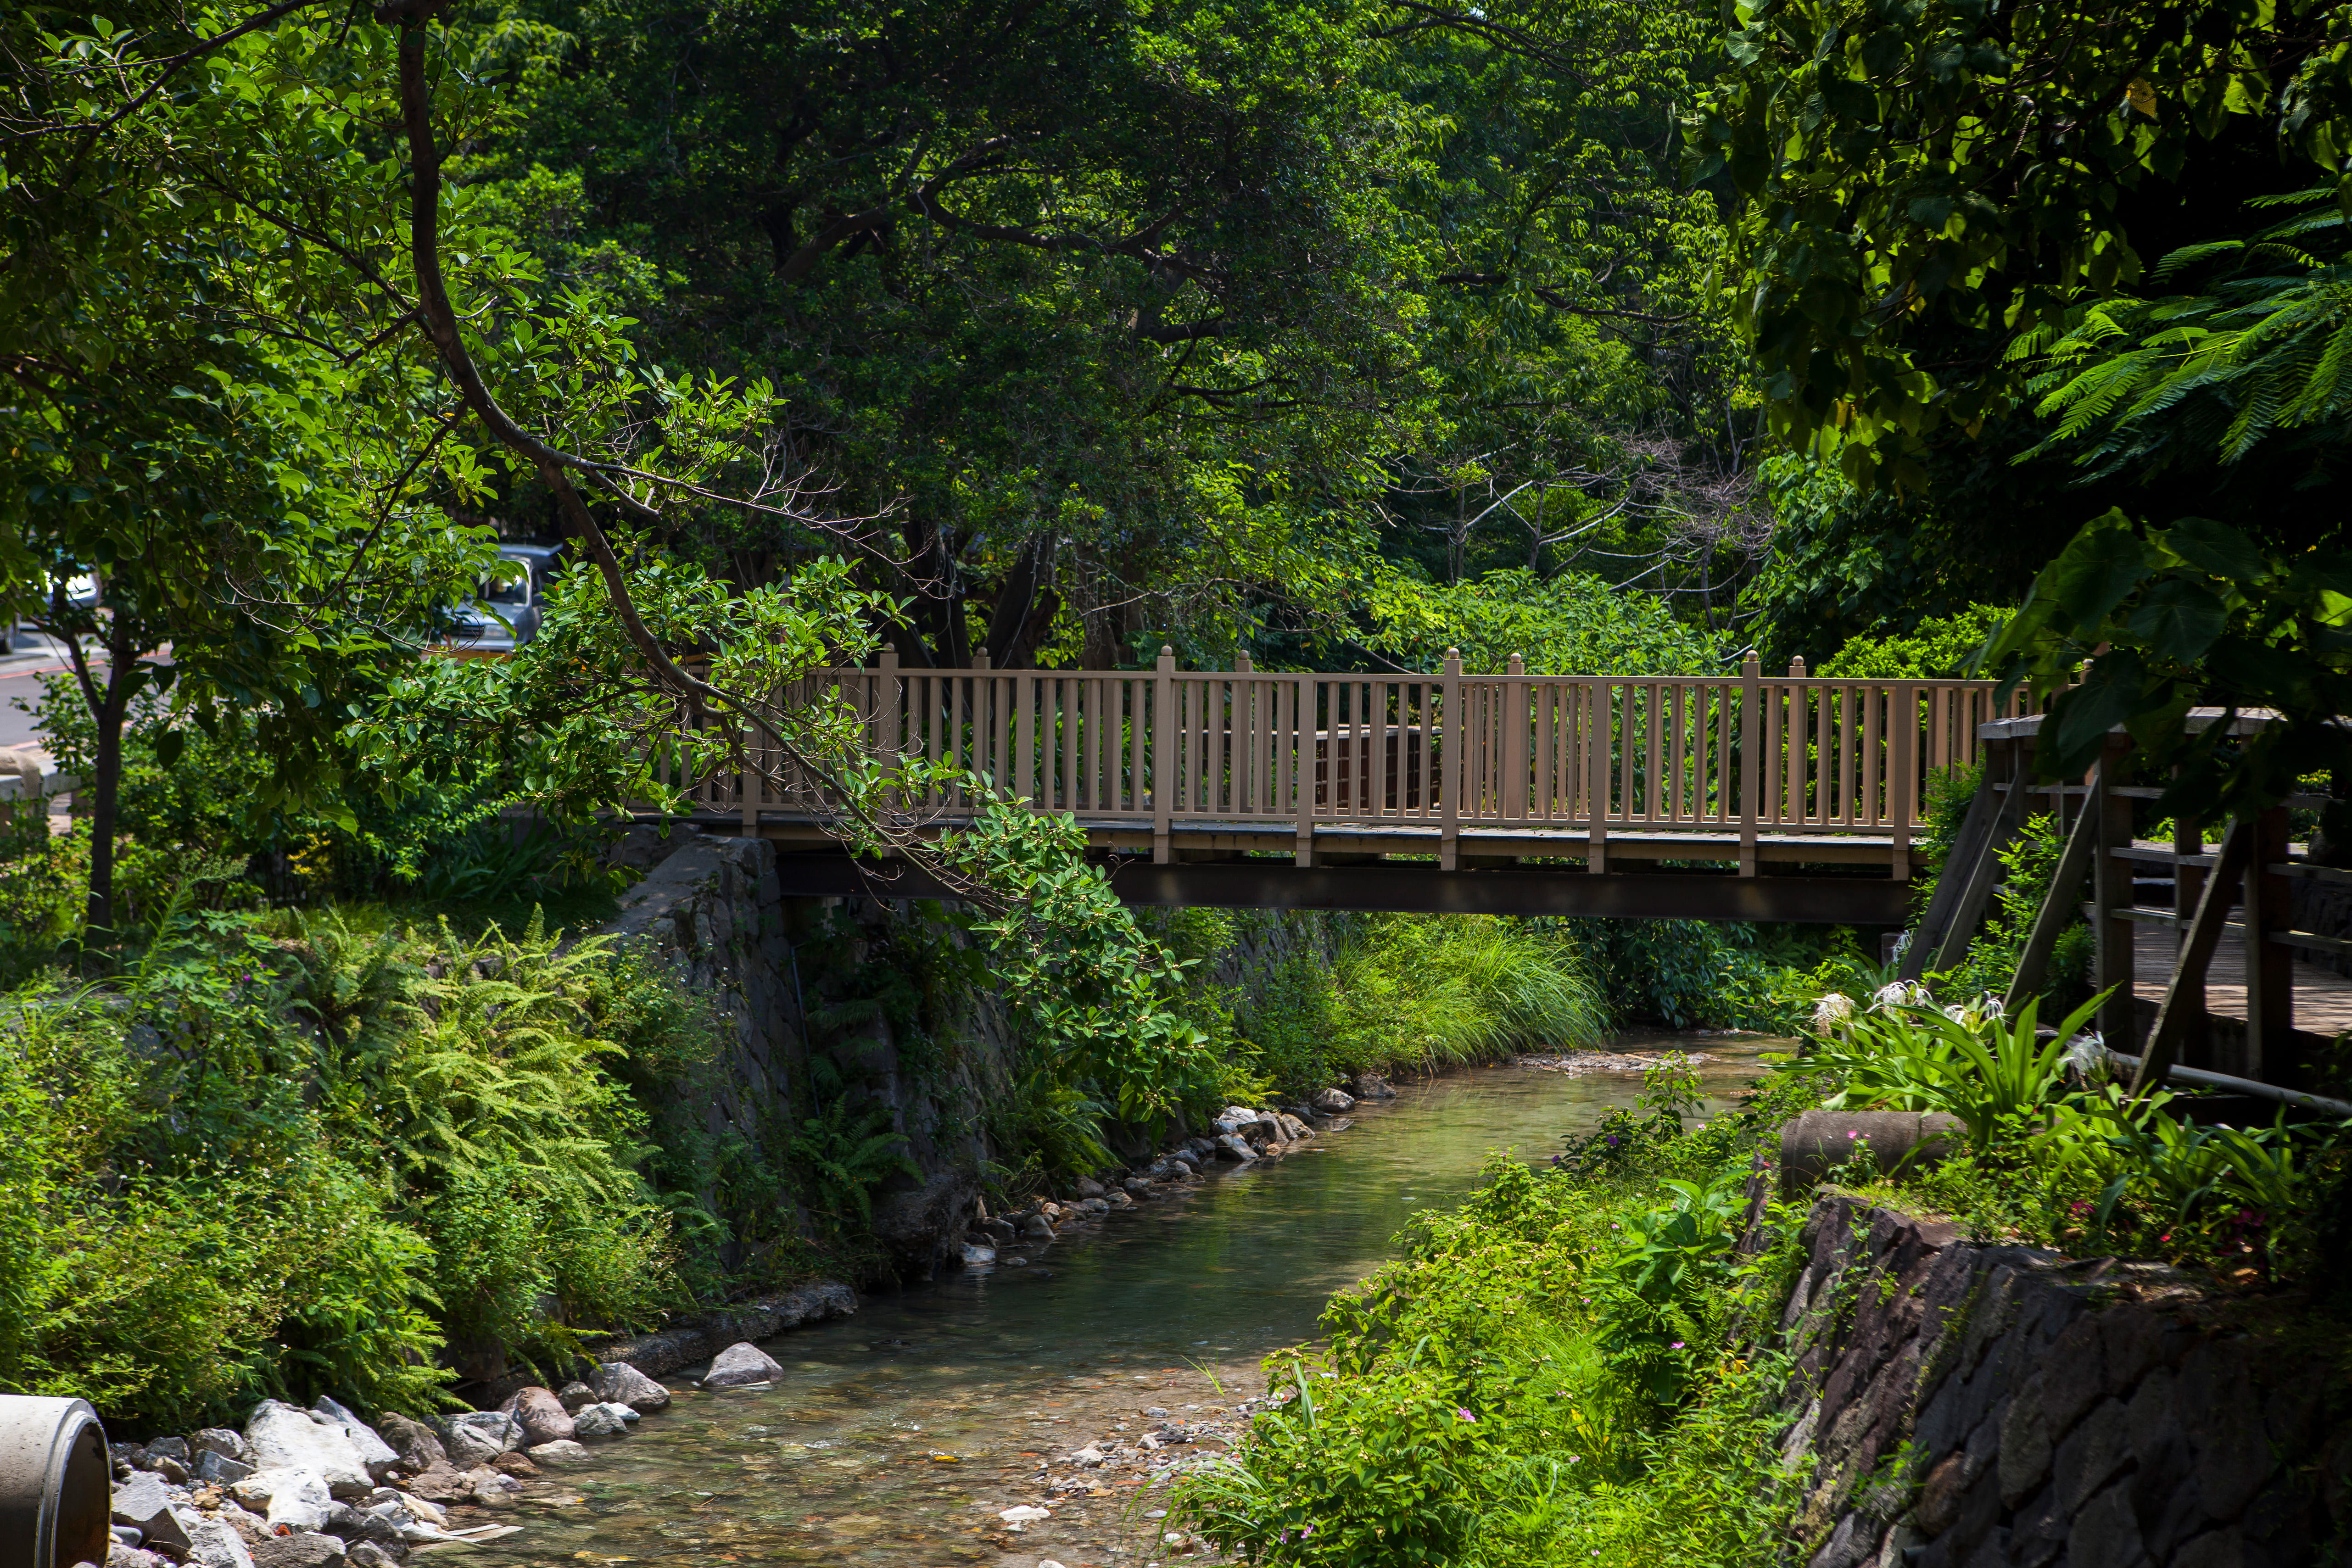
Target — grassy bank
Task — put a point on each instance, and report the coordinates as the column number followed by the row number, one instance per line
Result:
column 1556, row 1371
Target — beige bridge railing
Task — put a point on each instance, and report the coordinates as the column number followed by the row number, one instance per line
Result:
column 1488, row 767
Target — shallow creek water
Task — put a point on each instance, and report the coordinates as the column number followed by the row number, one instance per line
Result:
column 896, row 1436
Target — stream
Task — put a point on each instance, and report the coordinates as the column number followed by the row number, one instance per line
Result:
column 897, row 1436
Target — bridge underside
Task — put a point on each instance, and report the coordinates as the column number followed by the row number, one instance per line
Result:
column 1799, row 878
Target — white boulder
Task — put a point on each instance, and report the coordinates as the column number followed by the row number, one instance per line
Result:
column 740, row 1365
column 287, row 1437
column 380, row 1456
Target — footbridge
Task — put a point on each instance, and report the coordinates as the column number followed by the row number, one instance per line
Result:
column 1741, row 796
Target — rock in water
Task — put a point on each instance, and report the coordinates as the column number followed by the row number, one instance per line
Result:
column 601, row 1421
column 478, row 1437
column 741, row 1364
column 564, row 1451
column 974, row 1257
column 1232, row 1147
column 618, row 1383
column 1089, row 1188
column 413, row 1441
column 285, row 1437
column 380, row 1456
column 1023, row 1517
column 542, row 1415
column 1332, row 1101
column 573, row 1395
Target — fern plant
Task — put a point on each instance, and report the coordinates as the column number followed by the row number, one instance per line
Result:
column 2263, row 355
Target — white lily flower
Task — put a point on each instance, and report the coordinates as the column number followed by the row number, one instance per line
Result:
column 1833, row 1011
column 1902, row 994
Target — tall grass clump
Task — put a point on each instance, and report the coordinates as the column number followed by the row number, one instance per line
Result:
column 1449, row 989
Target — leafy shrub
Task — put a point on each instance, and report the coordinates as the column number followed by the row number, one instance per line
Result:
column 1443, row 991
column 1932, row 650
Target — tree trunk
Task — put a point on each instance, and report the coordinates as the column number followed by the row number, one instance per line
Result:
column 106, row 794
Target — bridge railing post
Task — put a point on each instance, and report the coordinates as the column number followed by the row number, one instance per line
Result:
column 1901, row 775
column 1302, row 770
column 1163, row 781
column 1751, row 756
column 1454, row 740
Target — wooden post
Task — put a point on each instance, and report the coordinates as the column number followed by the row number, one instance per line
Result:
column 2172, row 1016
column 1751, row 756
column 886, row 705
column 1600, row 732
column 2270, row 967
column 1902, row 776
column 1163, row 778
column 1453, row 737
column 2196, row 1037
column 2111, row 891
column 1302, row 730
column 1512, row 713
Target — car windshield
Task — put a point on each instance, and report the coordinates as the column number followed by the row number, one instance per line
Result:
column 509, row 585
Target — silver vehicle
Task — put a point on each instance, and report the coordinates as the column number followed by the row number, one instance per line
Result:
column 507, row 615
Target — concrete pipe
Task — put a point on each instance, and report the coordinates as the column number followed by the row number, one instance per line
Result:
column 1819, row 1141
column 56, row 1488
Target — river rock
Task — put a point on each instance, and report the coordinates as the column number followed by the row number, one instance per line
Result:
column 218, row 1470
column 1002, row 1229
column 1334, row 1102
column 295, row 1499
column 168, row 1449
column 1094, row 1207
column 1234, row 1147
column 1022, row 1516
column 117, row 1556
column 1136, row 1186
column 919, row 1227
column 212, row 1542
column 289, row 1437
column 740, row 1365
column 222, row 1442
column 1089, row 1188
column 144, row 1503
column 380, row 1456
column 618, row 1383
column 478, row 1436
column 1371, row 1086
column 306, row 1549
column 564, row 1451
column 1037, row 1228
column 417, row 1443
column 1118, row 1199
column 976, row 1257
column 1293, row 1129
column 443, row 1482
column 573, row 1395
column 368, row 1555
column 608, row 1420
column 544, row 1419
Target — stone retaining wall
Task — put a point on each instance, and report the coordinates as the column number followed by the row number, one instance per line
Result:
column 1966, row 1406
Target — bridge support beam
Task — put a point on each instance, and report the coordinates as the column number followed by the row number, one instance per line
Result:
column 1420, row 889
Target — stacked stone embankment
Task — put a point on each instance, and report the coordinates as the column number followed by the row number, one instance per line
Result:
column 1963, row 1405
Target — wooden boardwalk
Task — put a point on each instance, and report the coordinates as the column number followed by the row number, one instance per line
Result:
column 2322, row 998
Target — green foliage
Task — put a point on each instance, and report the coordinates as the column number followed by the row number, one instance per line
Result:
column 848, row 1148
column 1549, row 1375
column 1449, row 989
column 1994, row 1073
column 1940, row 648
column 1992, row 171
column 1570, row 624
column 2170, row 618
column 301, row 1164
column 2029, row 861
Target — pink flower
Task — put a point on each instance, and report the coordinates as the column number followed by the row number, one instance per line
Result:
column 1853, row 1135
column 1678, row 1344
column 1463, row 1412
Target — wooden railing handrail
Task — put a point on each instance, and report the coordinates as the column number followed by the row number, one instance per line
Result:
column 1583, row 758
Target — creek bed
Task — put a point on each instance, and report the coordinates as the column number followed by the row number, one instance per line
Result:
column 897, row 1436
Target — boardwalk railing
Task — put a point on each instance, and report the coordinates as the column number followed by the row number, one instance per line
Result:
column 1723, row 759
